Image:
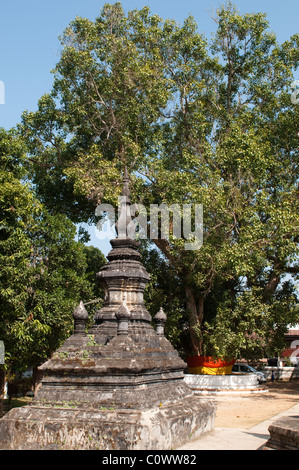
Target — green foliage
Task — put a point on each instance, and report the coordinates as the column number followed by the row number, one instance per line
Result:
column 165, row 289
column 44, row 271
column 211, row 124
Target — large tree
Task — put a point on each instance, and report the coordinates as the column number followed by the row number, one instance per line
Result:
column 44, row 272
column 195, row 122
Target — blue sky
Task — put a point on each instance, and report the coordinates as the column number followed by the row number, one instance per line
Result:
column 30, row 46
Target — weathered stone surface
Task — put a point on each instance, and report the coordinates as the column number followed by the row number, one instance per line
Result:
column 68, row 427
column 112, row 381
column 284, row 434
column 130, row 371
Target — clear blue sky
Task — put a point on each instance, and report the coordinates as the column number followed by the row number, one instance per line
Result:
column 30, row 45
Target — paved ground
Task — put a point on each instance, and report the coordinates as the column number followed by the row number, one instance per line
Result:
column 242, row 421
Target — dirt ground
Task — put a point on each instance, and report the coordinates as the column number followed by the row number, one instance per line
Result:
column 248, row 410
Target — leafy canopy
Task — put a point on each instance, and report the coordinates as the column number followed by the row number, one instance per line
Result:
column 197, row 122
column 44, row 271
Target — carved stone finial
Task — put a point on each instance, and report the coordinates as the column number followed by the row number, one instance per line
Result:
column 160, row 319
column 80, row 316
column 123, row 317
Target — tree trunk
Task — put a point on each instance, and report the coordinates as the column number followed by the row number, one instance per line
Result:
column 271, row 285
column 195, row 312
column 195, row 308
column 2, row 385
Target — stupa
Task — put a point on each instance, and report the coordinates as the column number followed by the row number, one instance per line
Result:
column 118, row 386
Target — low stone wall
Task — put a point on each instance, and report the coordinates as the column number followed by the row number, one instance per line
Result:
column 284, row 434
column 281, row 373
column 222, row 383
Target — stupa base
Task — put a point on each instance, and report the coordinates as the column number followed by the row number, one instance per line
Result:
column 162, row 428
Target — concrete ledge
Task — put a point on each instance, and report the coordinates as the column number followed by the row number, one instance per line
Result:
column 221, row 384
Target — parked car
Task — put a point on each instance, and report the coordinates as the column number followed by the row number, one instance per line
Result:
column 247, row 369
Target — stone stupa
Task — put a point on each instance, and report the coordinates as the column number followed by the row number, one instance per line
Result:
column 119, row 386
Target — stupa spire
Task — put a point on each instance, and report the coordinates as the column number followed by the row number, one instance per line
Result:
column 125, row 227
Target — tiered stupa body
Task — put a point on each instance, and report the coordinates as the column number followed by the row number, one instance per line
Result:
column 121, row 362
column 119, row 386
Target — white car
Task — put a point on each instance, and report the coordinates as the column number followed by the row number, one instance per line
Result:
column 247, row 369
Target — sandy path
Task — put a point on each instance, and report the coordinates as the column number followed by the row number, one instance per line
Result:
column 248, row 410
